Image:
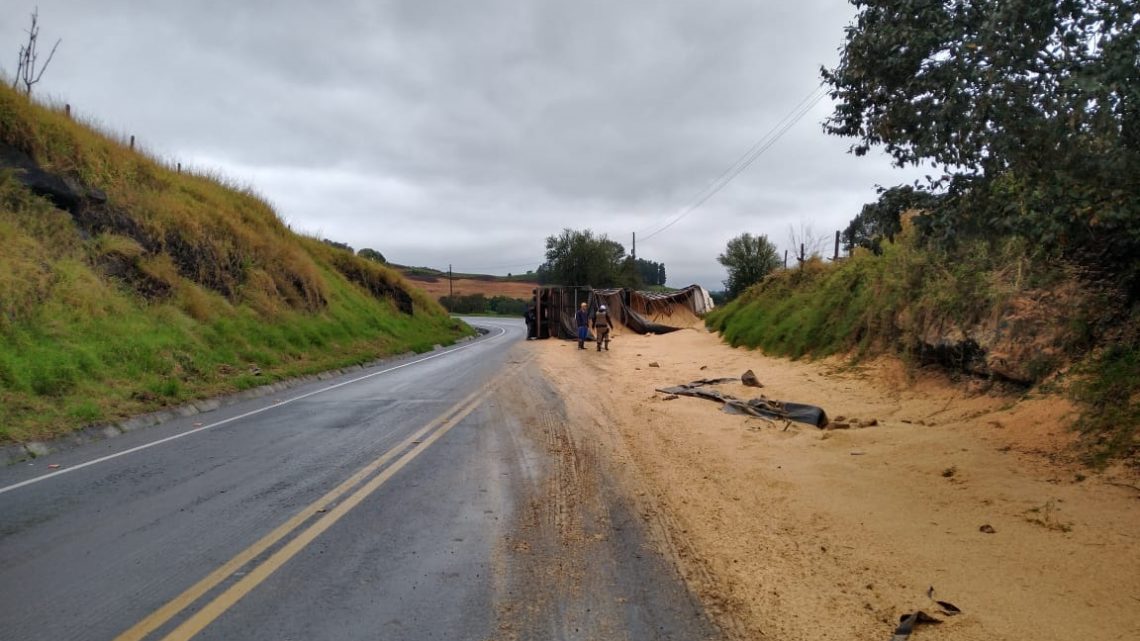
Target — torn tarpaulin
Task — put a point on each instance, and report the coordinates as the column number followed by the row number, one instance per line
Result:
column 908, row 622
column 763, row 406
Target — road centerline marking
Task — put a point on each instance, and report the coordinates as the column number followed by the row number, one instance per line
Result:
column 418, row 441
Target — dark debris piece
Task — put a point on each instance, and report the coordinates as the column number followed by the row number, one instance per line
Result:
column 762, row 407
column 908, row 622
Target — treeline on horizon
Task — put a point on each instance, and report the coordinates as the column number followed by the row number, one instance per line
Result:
column 481, row 304
column 576, row 258
column 582, row 258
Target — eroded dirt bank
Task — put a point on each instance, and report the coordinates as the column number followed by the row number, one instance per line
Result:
column 800, row 533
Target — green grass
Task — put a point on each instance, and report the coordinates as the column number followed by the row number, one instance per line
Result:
column 873, row 302
column 176, row 295
column 1108, row 384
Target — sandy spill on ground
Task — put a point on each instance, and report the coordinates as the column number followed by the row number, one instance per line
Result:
column 808, row 534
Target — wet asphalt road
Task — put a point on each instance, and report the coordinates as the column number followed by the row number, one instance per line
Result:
column 370, row 506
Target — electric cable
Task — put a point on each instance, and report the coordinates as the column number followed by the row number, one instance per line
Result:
column 785, row 124
column 754, row 152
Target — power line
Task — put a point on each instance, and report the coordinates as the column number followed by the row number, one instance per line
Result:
column 727, row 176
column 755, row 151
column 745, row 160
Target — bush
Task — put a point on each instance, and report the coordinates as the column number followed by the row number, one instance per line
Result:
column 480, row 304
column 886, row 302
column 506, row 306
column 915, row 301
column 465, row 304
column 1108, row 385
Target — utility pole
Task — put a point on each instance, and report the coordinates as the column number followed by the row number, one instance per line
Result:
column 450, row 283
column 634, row 246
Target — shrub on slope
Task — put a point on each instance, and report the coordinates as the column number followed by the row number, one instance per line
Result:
column 984, row 309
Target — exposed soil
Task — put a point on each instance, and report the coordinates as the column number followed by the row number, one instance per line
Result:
column 791, row 532
column 437, row 287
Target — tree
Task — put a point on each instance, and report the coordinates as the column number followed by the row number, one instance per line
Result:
column 1030, row 109
column 986, row 85
column 652, row 273
column 27, row 72
column 580, row 258
column 805, row 240
column 630, row 275
column 748, row 259
column 372, row 254
column 883, row 218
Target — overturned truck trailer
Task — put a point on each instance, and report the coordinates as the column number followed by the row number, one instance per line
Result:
column 640, row 312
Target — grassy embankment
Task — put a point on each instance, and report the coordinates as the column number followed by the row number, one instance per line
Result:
column 1038, row 323
column 177, row 287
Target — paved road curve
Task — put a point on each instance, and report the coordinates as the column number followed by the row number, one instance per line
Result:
column 429, row 498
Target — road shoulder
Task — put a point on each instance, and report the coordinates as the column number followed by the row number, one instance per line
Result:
column 581, row 561
column 809, row 534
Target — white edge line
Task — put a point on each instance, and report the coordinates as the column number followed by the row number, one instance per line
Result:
column 138, row 448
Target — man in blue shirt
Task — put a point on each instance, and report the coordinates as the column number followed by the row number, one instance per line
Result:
column 582, row 320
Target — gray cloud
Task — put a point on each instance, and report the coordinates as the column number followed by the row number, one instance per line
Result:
column 466, row 132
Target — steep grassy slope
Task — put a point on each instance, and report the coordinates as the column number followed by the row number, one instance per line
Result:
column 154, row 287
column 985, row 309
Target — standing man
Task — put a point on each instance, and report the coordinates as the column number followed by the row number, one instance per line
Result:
column 602, row 327
column 531, row 322
column 582, row 320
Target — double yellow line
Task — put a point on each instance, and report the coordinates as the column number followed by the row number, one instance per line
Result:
column 418, row 442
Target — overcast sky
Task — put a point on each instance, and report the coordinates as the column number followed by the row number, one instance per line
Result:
column 465, row 132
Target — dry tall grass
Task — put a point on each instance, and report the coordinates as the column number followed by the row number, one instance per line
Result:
column 170, row 289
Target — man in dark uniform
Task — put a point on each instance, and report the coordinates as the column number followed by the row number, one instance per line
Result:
column 531, row 321
column 582, row 320
column 602, row 327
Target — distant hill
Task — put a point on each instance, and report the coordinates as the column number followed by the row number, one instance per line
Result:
column 127, row 284
column 437, row 284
